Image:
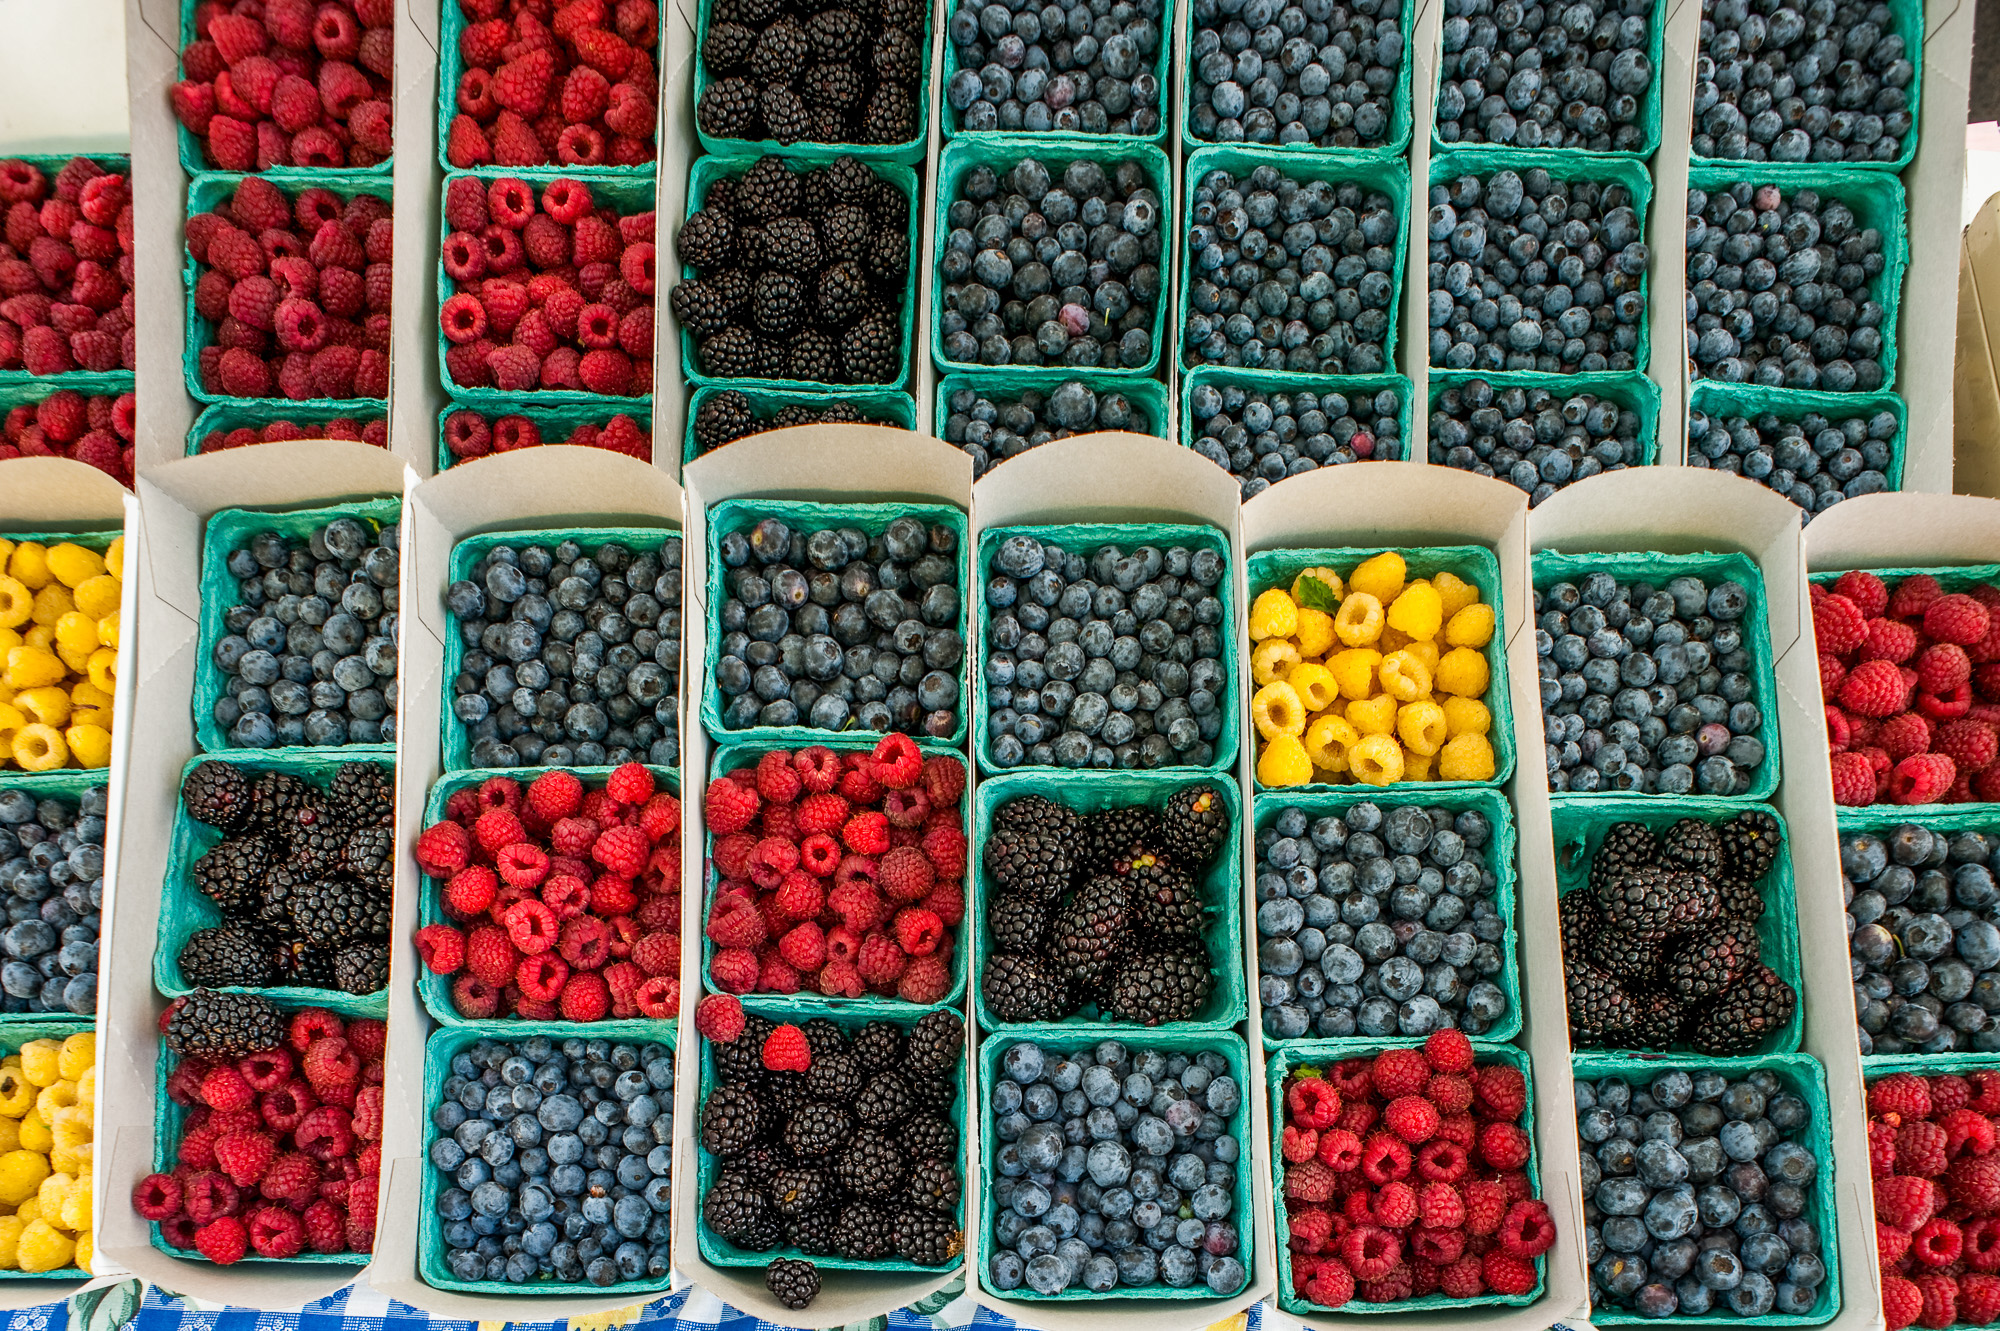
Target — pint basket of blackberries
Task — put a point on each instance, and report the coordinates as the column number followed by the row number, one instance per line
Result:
column 1112, row 898
column 1119, row 1168
column 832, row 1144
column 1144, row 683
column 1656, row 675
column 1315, row 90
column 1405, row 1176
column 279, row 881
column 563, row 648
column 994, row 415
column 299, row 628
column 1679, row 926
column 718, row 416
column 1709, row 1192
column 832, row 617
column 1813, row 448
column 569, row 1132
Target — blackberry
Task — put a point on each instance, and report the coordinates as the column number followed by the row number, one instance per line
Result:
column 1115, row 835
column 1744, row 1015
column 767, row 191
column 361, row 968
column 812, row 1233
column 1031, row 863
column 824, row 1037
column 1750, row 844
column 843, row 232
column 730, row 1121
column 792, row 1282
column 880, row 1046
column 306, row 967
column 1578, row 918
column 905, row 15
column 885, row 1101
column 766, row 1232
column 318, row 849
column 781, row 49
column 834, row 1076
column 1739, row 899
column 781, row 1093
column 1019, row 922
column 928, row 1239
column 777, row 303
column 702, row 308
column 870, row 350
column 231, row 875
column 708, row 239
column 799, row 1190
column 369, row 854
column 839, row 413
column 274, row 904
column 834, row 84
column 211, row 1025
column 890, row 116
column 723, row 418
column 232, row 954
column 849, row 179
column 1601, row 1013
column 898, row 57
column 791, row 244
column 1165, row 901
column 1626, row 846
column 1021, row 989
column 865, row 1233
column 218, row 794
column 842, row 295
column 737, row 353
column 733, row 1208
column 1703, row 965
column 936, row 1042
column 1655, row 901
column 816, row 1129
column 1692, row 845
column 933, row 1184
column 835, row 33
column 727, row 46
column 330, row 911
column 1168, row 984
column 1089, row 932
column 750, row 13
column 1035, row 813
column 889, row 253
column 1658, row 1021
column 787, row 118
column 1193, row 826
column 281, row 800
column 871, row 1165
column 1629, row 956
column 928, row 1134
column 934, row 1095
column 742, row 1059
column 362, row 795
column 813, row 358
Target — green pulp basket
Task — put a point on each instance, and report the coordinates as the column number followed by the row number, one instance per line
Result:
column 1805, row 1078
column 1082, row 538
column 465, row 557
column 718, row 1251
column 1501, row 855
column 1580, row 824
column 805, row 1005
column 65, row 786
column 1148, row 396
column 886, row 406
column 705, row 172
column 185, row 908
column 435, row 989
column 1281, row 381
column 227, row 531
column 100, row 541
column 1564, row 165
column 1392, row 148
column 1226, row 1043
column 25, row 1028
column 439, row 1050
column 1473, row 563
column 18, row 389
column 1877, row 200
column 1220, row 886
column 1789, row 404
column 451, row 66
column 1552, row 566
column 1391, row 177
column 252, row 413
column 213, row 187
column 1633, row 392
column 625, row 193
column 1302, row 1054
column 948, row 116
column 555, row 423
column 1002, row 152
column 737, row 515
column 1649, row 102
column 82, row 381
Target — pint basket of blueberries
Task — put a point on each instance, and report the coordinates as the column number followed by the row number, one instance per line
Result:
column 1687, row 706
column 1262, row 426
column 52, row 956
column 1540, row 434
column 1146, row 681
column 1017, row 68
column 563, row 649
column 1316, row 90
column 830, row 617
column 994, row 415
column 1814, row 448
column 299, row 628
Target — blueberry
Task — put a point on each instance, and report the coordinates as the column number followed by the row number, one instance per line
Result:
column 992, row 428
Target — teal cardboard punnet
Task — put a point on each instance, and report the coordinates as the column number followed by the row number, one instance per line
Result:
column 100, row 541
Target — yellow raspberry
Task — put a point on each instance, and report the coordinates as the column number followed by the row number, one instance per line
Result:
column 90, row 745
column 51, row 604
column 33, row 667
column 114, row 559
column 1317, row 586
column 10, row 1240
column 55, row 1098
column 1404, row 677
column 1315, row 632
column 53, row 1193
column 16, row 603
column 98, row 596
column 10, row 1135
column 72, row 565
column 21, row 1173
column 1419, row 611
column 41, row 637
column 1454, row 592
column 9, row 639
column 39, row 748
column 86, row 696
column 104, row 669
column 17, row 1093
column 1376, row 760
column 36, row 1134
column 77, row 1056
column 1284, row 763
column 108, row 629
column 1359, row 622
column 76, row 1211
column 12, row 719
column 1466, row 716
column 41, row 1062
column 1276, row 710
column 1327, row 739
column 1416, row 766
column 1421, row 726
column 1273, row 615
column 1315, row 685
column 43, row 1247
column 1272, row 659
column 1381, row 577
column 30, row 564
column 1470, row 627
column 47, row 703
column 1466, row 757
column 1373, row 716
column 85, row 1246
column 1426, row 651
column 1463, row 671
column 76, row 639
column 1354, row 671
column 6, row 551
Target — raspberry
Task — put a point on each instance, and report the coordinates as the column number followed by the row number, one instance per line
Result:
column 1940, row 1296
column 1371, row 1252
column 880, row 962
column 225, row 1088
column 470, row 892
column 1399, row 1072
column 1984, row 1088
column 157, row 1197
column 905, row 873
column 1312, row 1103
column 1874, row 688
column 734, row 970
column 926, row 980
column 552, row 796
column 490, row 954
column 1503, row 1146
column 541, row 978
column 1956, row 618
column 331, row 1062
column 1838, row 625
column 1978, row 1299
column 265, row 1070
column 1889, row 640
column 896, row 761
column 310, row 1024
column 945, row 846
column 1310, row 1229
column 1902, row 1302
column 1527, row 1230
column 276, row 1232
column 1501, row 1092
column 1936, row 1242
column 1974, row 1184
column 1853, row 780
column 866, row 834
column 585, row 997
column 531, row 926
column 1412, row 1118
column 947, row 902
column 1904, row 1201
column 1339, row 1150
column 1449, row 1051
column 1971, row 745
column 223, row 1240
column 1981, row 1249
column 1881, row 1148
column 522, row 864
column 244, row 1155
column 622, row 850
column 803, row 947
column 1463, row 1279
column 818, row 768
column 474, row 998
column 1384, row 1157
column 736, row 922
column 1904, row 736
column 1921, row 779
column 1913, row 596
column 1891, row 1245
column 611, row 896
column 819, row 813
column 729, row 806
column 786, row 1050
column 1309, row 1181
column 443, row 849
column 1506, row 1273
column 325, row 1227
column 1864, row 589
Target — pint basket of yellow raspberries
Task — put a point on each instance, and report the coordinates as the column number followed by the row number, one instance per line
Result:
column 48, row 1088
column 1378, row 668
column 58, row 650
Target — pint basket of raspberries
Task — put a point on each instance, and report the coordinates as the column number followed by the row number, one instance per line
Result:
column 1909, row 667
column 1405, row 1176
column 1931, row 1151
column 240, row 423
column 267, row 1132
column 73, row 201
column 465, row 435
column 551, row 895
column 836, row 876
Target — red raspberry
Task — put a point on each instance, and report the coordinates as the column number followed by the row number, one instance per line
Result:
column 819, row 769
column 1981, row 1249
column 944, row 781
column 622, row 851
column 1394, row 1206
column 522, row 864
column 1449, row 1051
column 585, row 942
column 223, row 1240
column 1978, row 1299
column 1974, row 1184
column 1971, row 745
column 1527, row 1230
column 1443, row 1160
column 1922, row 779
column 1853, row 780
column 496, row 829
column 1384, row 1157
column 325, row 1227
column 820, row 812
column 1889, row 640
column 1503, row 1146
column 630, row 783
column 660, row 819
column 1936, row 1242
column 896, row 761
column 719, row 1017
column 531, row 926
column 1956, row 618
column 1904, row 1201
column 541, row 978
column 1500, row 1092
column 1440, row 1207
column 880, row 962
column 1913, row 596
column 443, row 849
column 736, row 922
column 1891, row 1245
column 585, row 997
column 1309, row 1181
column 944, row 845
column 474, row 998
column 1983, row 1087
column 1874, row 688
column 470, row 892
column 1881, row 1148
column 157, row 1197
column 734, row 970
column 1412, row 1118
column 265, row 1070
column 1902, row 1302
column 658, row 953
column 1462, row 1279
column 490, row 955
column 1451, row 1095
column 1940, row 1295
column 947, row 902
column 1839, row 626
column 867, row 834
column 1506, row 1273
column 310, row 1024
column 1339, row 1150
column 906, row 809
column 441, row 947
column 804, row 947
column 1399, row 1072
column 276, row 1232
column 552, row 796
column 729, row 806
column 331, row 1062
column 1905, row 735
column 1865, row 590
column 1371, row 1252
column 926, row 980
column 245, row 1155
column 1312, row 1103
column 786, row 1050
column 225, row 1088
column 906, row 873
column 918, row 931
